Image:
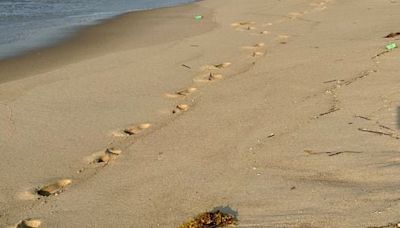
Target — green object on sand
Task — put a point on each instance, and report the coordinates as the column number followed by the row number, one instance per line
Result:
column 198, row 17
column 391, row 46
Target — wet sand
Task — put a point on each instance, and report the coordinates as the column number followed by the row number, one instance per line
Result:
column 281, row 110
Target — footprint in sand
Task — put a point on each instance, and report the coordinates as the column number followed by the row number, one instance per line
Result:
column 319, row 5
column 209, row 77
column 134, row 130
column 267, row 24
column 283, row 39
column 244, row 25
column 27, row 195
column 108, row 155
column 216, row 66
column 257, row 53
column 265, row 32
column 222, row 65
column 29, row 223
column 255, row 46
column 295, row 15
column 54, row 188
column 180, row 108
column 183, row 92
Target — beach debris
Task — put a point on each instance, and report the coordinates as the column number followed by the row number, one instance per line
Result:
column 184, row 65
column 393, row 34
column 334, row 80
column 198, row 17
column 391, row 46
column 29, row 223
column 219, row 217
column 362, row 117
column 331, row 110
column 380, row 54
column 379, row 133
column 385, row 127
column 137, row 129
column 109, row 155
column 332, row 153
column 55, row 188
column 212, row 76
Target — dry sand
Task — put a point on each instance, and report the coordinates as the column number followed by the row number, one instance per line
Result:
column 282, row 135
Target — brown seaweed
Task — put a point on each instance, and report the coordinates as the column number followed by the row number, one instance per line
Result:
column 212, row 219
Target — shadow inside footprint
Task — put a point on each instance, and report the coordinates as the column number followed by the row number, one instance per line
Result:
column 55, row 188
column 109, row 154
column 186, row 92
column 180, row 108
column 223, row 65
column 137, row 129
column 212, row 77
column 183, row 92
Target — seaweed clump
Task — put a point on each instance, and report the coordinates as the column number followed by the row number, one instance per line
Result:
column 211, row 219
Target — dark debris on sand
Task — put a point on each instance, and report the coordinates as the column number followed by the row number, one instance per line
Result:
column 393, row 34
column 215, row 218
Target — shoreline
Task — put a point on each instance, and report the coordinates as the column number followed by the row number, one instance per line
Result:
column 97, row 39
column 282, row 112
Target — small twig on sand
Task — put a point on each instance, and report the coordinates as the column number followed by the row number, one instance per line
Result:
column 186, row 66
column 379, row 133
column 344, row 152
column 333, row 109
column 379, row 54
column 384, row 127
column 362, row 117
column 334, row 80
column 332, row 153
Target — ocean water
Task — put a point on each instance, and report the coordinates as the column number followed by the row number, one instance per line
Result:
column 29, row 24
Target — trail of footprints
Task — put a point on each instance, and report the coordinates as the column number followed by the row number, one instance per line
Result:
column 209, row 73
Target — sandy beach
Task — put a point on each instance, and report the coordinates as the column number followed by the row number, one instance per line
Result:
column 284, row 111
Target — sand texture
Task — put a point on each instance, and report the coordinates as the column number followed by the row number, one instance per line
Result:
column 283, row 110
